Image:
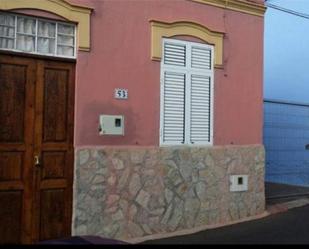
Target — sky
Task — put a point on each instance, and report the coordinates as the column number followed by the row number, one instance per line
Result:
column 286, row 52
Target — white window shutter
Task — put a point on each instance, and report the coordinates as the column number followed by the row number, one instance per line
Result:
column 201, row 58
column 200, row 109
column 173, row 108
column 186, row 93
column 174, row 54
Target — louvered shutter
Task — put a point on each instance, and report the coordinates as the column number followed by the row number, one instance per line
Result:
column 200, row 106
column 200, row 109
column 174, row 54
column 173, row 93
column 201, row 58
column 174, row 108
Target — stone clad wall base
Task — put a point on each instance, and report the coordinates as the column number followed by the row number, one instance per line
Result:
column 127, row 193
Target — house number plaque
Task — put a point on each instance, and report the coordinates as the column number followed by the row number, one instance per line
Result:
column 121, row 93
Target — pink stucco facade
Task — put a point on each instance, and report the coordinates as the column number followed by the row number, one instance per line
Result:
column 128, row 187
column 120, row 58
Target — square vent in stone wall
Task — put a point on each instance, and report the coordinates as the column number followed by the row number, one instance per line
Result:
column 238, row 183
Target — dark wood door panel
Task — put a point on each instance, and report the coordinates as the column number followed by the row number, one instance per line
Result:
column 12, row 102
column 11, row 216
column 54, row 145
column 11, row 165
column 55, row 105
column 53, row 163
column 52, row 218
column 17, row 79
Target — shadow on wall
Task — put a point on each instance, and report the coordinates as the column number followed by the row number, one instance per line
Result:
column 88, row 133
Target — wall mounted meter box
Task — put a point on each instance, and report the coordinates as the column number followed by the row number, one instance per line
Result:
column 111, row 125
column 238, row 183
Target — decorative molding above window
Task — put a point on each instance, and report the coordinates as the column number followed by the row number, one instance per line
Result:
column 73, row 13
column 243, row 6
column 161, row 30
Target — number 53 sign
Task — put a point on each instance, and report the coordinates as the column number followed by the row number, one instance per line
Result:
column 121, row 93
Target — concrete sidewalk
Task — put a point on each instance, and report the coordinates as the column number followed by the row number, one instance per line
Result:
column 288, row 223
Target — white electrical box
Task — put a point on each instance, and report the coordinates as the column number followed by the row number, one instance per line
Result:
column 238, row 183
column 111, row 125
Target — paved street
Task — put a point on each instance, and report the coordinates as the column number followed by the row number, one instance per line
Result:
column 290, row 227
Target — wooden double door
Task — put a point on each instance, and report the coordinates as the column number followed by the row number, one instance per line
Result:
column 36, row 148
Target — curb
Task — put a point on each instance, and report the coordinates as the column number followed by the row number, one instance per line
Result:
column 285, row 206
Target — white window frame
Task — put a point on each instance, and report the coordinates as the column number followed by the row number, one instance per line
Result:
column 37, row 19
column 188, row 71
